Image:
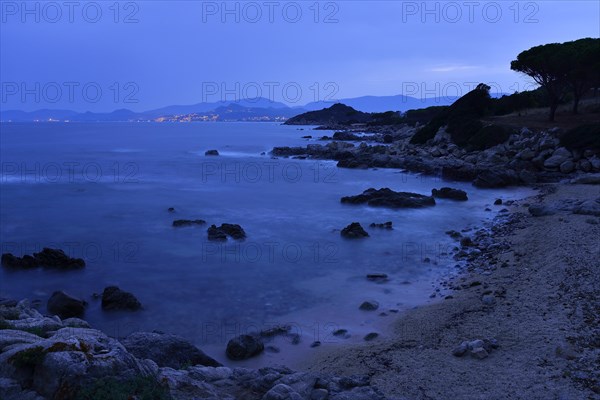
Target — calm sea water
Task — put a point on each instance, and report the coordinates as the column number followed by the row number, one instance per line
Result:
column 101, row 192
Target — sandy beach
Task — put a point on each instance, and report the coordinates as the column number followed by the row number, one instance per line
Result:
column 533, row 290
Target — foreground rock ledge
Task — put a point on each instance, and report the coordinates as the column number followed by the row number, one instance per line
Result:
column 69, row 360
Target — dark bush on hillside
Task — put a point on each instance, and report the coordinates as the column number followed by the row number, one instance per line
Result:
column 463, row 128
column 423, row 115
column 489, row 136
column 582, row 137
column 425, row 133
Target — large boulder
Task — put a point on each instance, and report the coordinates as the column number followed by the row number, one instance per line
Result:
column 114, row 298
column 71, row 358
column 354, row 231
column 188, row 222
column 244, row 346
column 166, row 350
column 388, row 198
column 65, row 306
column 449, row 193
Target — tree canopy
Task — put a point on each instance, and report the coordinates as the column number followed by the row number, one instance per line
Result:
column 561, row 68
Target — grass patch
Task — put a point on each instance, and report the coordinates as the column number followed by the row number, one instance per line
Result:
column 28, row 358
column 583, row 137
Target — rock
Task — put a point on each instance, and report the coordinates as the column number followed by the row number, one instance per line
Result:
column 555, row 161
column 488, row 300
column 166, row 350
column 526, row 154
column 498, row 202
column 51, row 258
column 588, row 179
column 11, row 261
column 215, row 234
column 65, row 306
column 562, row 152
column 307, row 137
column 377, row 277
column 388, row 198
column 461, row 349
column 71, row 358
column 220, row 233
column 540, row 210
column 369, row 305
column 371, row 336
column 449, row 193
column 187, row 222
column 319, row 394
column 588, row 207
column 233, row 230
column 466, row 242
column 584, row 165
column 385, row 225
column 354, row 231
column 480, row 353
column 527, row 177
column 114, row 298
column 495, row 179
column 454, row 234
column 211, row 153
column 282, row 392
column 171, row 209
column 567, row 167
column 244, row 347
column 316, row 343
column 56, row 258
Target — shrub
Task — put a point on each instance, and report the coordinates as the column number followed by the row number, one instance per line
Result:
column 582, row 137
column 489, row 136
column 28, row 358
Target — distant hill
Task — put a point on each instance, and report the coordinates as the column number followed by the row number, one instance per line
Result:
column 384, row 103
column 336, row 114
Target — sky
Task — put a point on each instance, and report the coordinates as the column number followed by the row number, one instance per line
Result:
column 140, row 55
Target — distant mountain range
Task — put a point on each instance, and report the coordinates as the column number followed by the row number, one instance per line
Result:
column 259, row 109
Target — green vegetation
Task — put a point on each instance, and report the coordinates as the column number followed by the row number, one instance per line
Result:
column 28, row 357
column 582, row 137
column 562, row 68
column 140, row 388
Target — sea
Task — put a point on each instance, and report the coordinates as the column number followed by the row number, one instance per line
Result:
column 101, row 192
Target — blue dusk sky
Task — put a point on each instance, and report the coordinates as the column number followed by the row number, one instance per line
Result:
column 101, row 56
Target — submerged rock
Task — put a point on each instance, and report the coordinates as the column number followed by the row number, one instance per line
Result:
column 354, row 231
column 187, row 222
column 56, row 258
column 369, row 305
column 114, row 298
column 215, row 234
column 388, row 198
column 449, row 193
column 50, row 258
column 166, row 350
column 11, row 261
column 233, row 230
column 211, row 153
column 385, row 225
column 65, row 306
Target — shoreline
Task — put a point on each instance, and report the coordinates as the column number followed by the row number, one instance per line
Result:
column 523, row 303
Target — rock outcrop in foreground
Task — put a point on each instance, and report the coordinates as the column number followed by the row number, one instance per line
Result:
column 45, row 357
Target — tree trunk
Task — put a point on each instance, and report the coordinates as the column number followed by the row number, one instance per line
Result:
column 553, row 107
column 576, row 104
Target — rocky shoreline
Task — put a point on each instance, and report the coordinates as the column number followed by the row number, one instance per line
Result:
column 526, row 158
column 43, row 357
column 519, row 321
